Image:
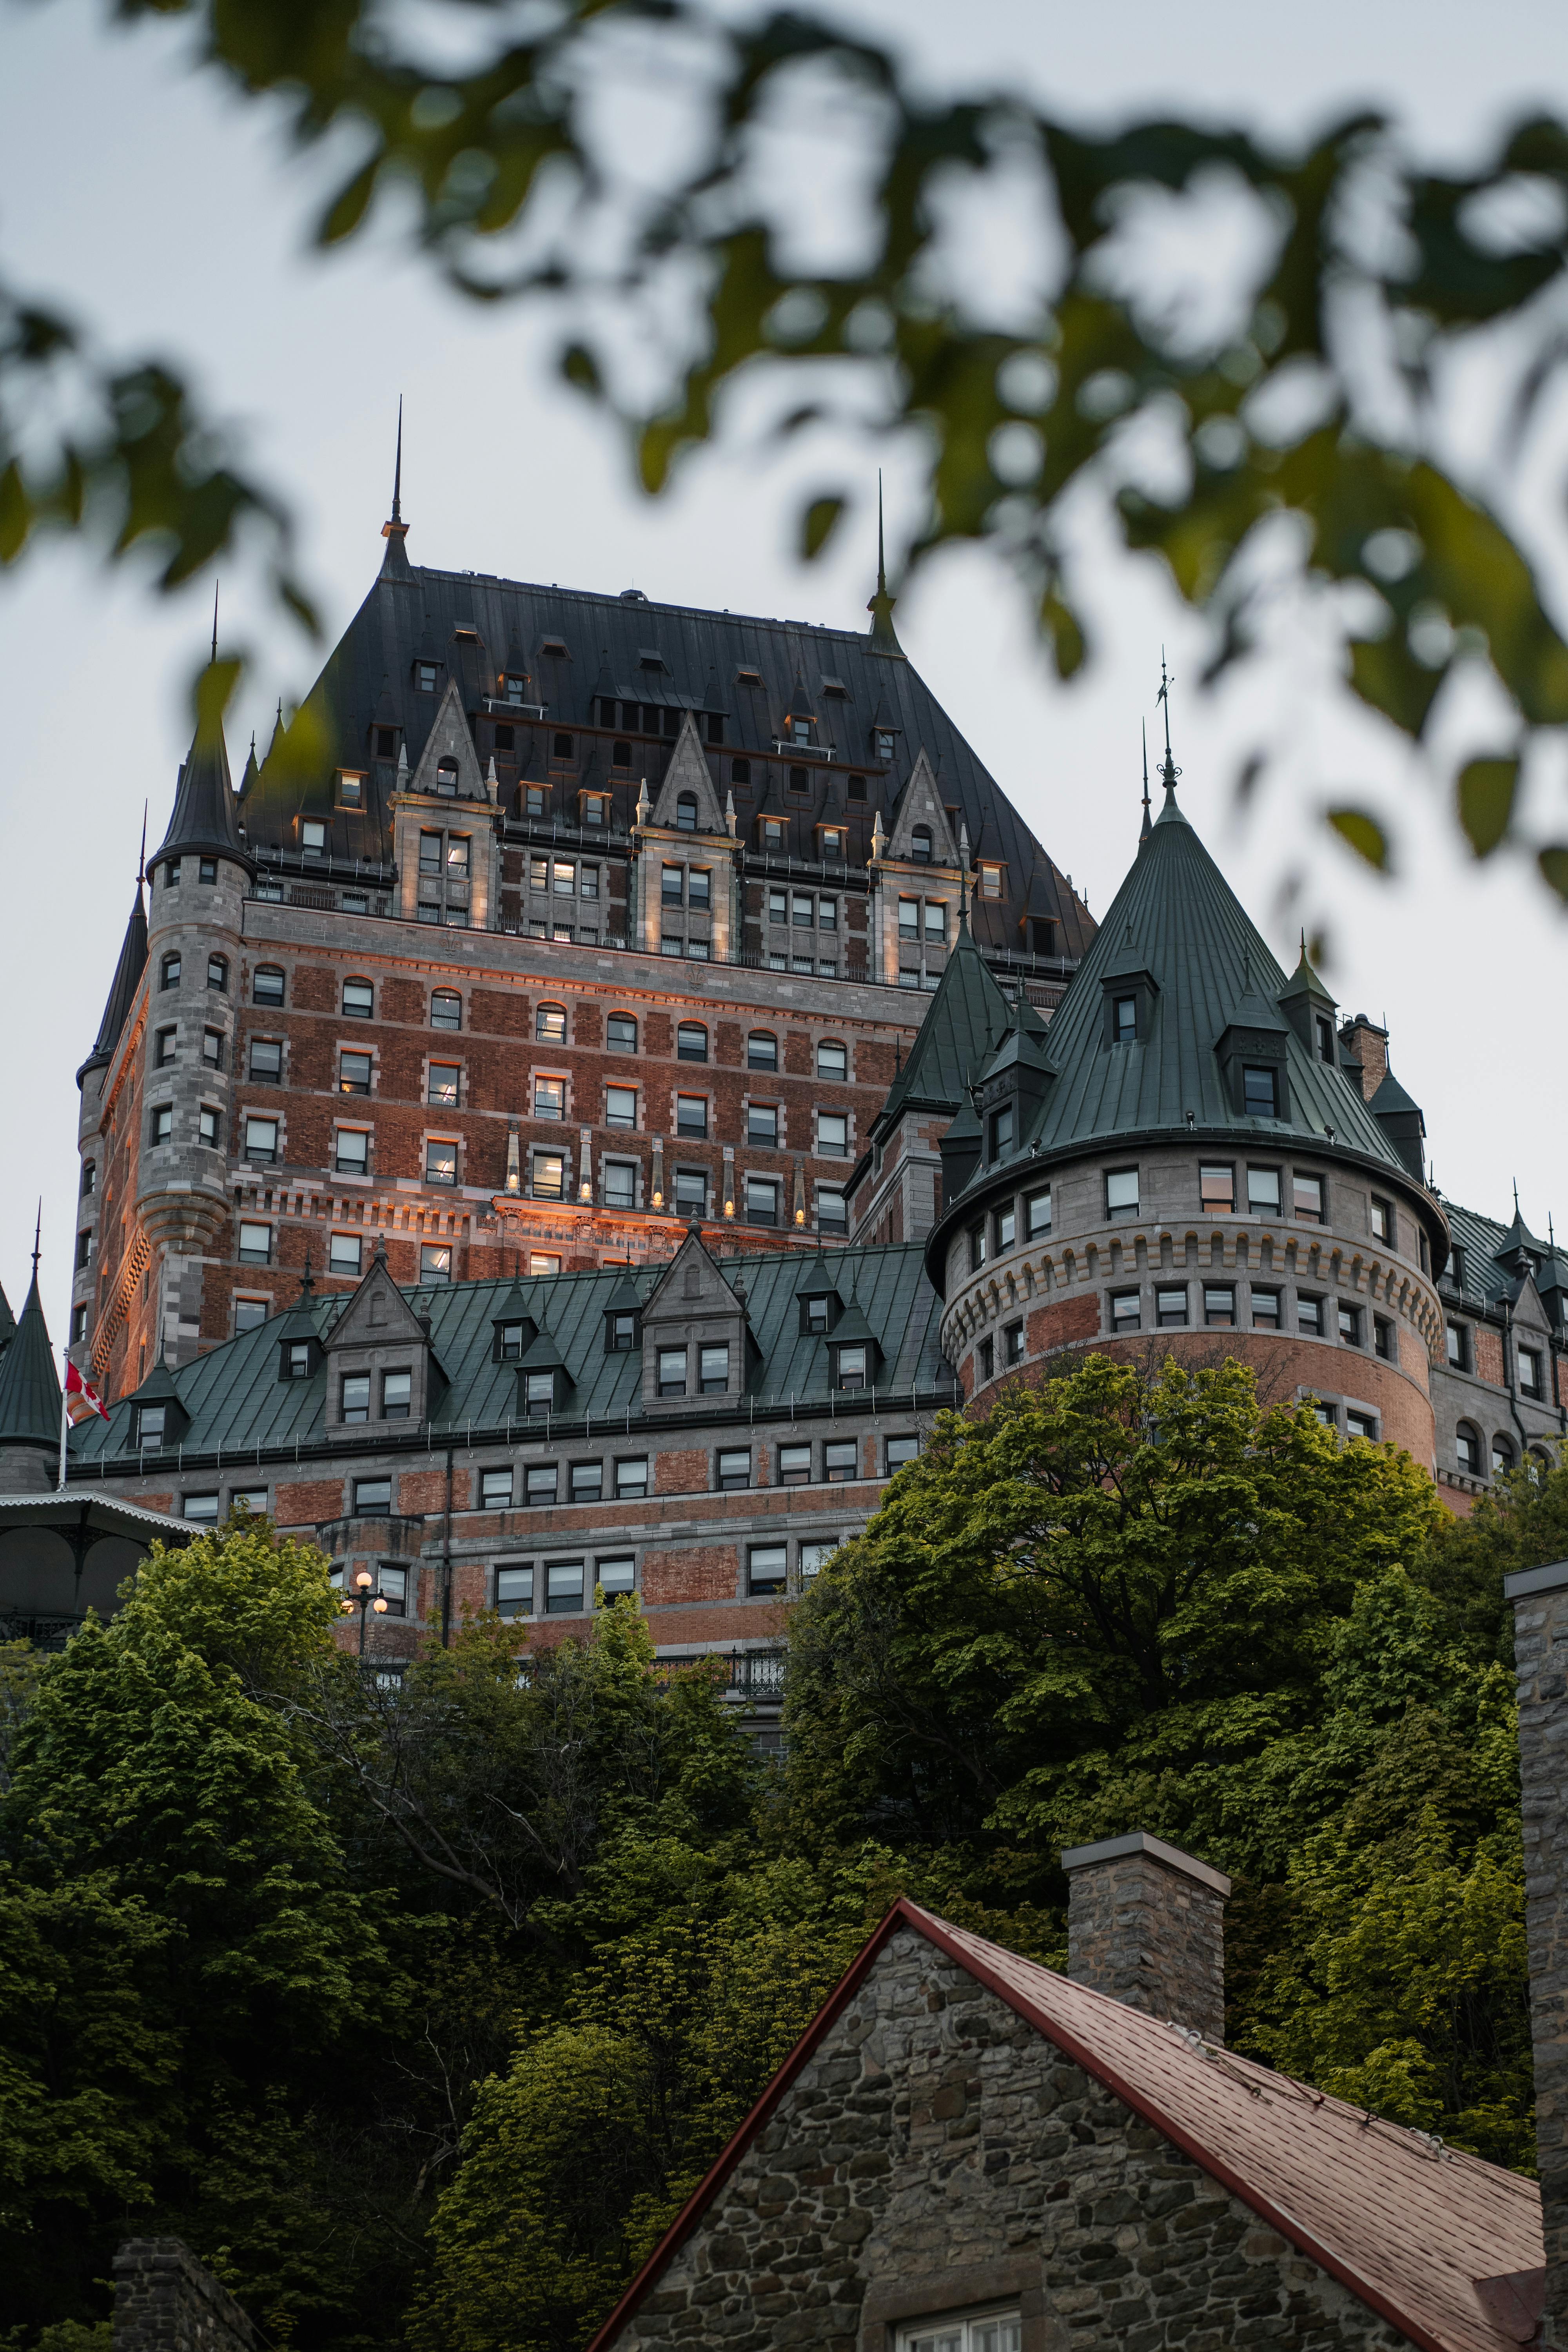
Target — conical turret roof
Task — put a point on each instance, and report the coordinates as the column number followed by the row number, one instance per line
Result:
column 1176, row 919
column 29, row 1384
column 204, row 818
column 967, row 1020
column 122, row 988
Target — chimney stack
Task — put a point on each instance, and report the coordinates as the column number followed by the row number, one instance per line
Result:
column 1539, row 1598
column 1368, row 1045
column 1146, row 1924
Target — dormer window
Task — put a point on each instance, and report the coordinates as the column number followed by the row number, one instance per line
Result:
column 386, row 742
column 748, row 678
column 849, row 1365
column 555, row 647
column 990, row 881
column 313, row 835
column 425, row 674
column 799, row 730
column 466, row 634
column 297, row 1360
column 622, row 1332
column 1001, row 1131
column 1325, row 1033
column 150, row 1424
column 773, row 833
column 920, row 845
column 882, row 742
column 1259, row 1091
column 514, row 689
column 1124, row 1020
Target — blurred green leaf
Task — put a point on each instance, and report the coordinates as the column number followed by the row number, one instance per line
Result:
column 1486, row 794
column 1363, row 834
column 817, row 524
column 1553, row 864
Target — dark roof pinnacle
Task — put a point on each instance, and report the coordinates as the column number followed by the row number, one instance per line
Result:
column 882, row 634
column 394, row 564
column 122, row 988
column 1145, row 828
column 203, row 816
column 29, row 1384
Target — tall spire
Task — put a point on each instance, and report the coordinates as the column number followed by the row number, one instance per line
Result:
column 394, row 565
column 1168, row 772
column 204, row 815
column 881, row 607
column 214, row 621
column 1146, row 828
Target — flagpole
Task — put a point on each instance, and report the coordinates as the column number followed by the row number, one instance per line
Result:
column 65, row 1417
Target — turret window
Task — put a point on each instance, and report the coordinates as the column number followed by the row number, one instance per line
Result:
column 1263, row 1192
column 217, row 974
column 1325, row 1029
column 209, row 1126
column 169, row 972
column 212, row 1049
column 1001, row 1131
column 163, row 1045
column 976, row 1248
column 1265, row 1309
column 1038, row 1214
column 171, row 873
column 1005, row 1225
column 1219, row 1306
column 1216, row 1191
column 1170, row 1307
column 1259, row 1091
column 1383, row 1338
column 1124, row 1020
column 1125, row 1310
column 1306, row 1195
column 1349, row 1319
column 1309, row 1316
column 1121, row 1193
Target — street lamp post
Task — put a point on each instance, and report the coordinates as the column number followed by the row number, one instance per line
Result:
column 360, row 1599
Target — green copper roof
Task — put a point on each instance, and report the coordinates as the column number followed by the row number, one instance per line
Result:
column 236, row 1401
column 1176, row 920
column 29, row 1384
column 967, row 1020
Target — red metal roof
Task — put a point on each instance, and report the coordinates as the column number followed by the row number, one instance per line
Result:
column 1409, row 2226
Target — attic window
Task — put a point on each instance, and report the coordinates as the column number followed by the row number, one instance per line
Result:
column 649, row 657
column 834, row 686
column 555, row 646
column 882, row 742
column 447, row 779
column 425, row 674
column 1325, row 1029
column 514, row 687
column 990, row 881
column 467, row 635
column 748, row 678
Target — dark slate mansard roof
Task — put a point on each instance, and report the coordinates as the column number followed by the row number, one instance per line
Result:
column 236, row 1400
column 413, row 614
column 1176, row 923
column 1498, row 1260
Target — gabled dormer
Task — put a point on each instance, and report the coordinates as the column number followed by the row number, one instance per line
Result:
column 854, row 1350
column 817, row 1301
column 1402, row 1123
column 381, row 1366
column 158, row 1418
column 687, row 801
column 920, row 833
column 301, row 1354
column 1013, row 1085
column 1253, row 1052
column 1309, row 1009
column 444, row 827
column 696, row 1339
column 448, row 766
column 960, row 1148
column 513, row 1329
column 1130, row 994
column 544, row 1384
column 623, row 1317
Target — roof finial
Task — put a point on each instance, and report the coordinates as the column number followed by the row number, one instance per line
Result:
column 142, row 859
column 397, row 469
column 1170, row 772
column 1144, row 832
column 394, row 530
column 214, row 620
column 37, row 1236
column 882, row 604
column 1516, row 1196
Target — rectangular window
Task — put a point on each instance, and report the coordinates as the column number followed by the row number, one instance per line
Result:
column 207, row 1124
column 801, row 911
column 255, row 1244
column 1307, row 1196
column 621, row 1033
column 1349, row 1324
column 391, row 1584
column 840, row 1465
column 1001, row 1130
column 163, row 1049
column 1382, row 1219
column 353, row 1074
column 1361, row 1424
column 1121, row 1193
column 828, row 914
column 672, row 1372
column 540, row 1481
column 620, row 1185
column 1124, row 1020
column 1124, row 1311
column 976, row 1248
column 815, row 1557
column 267, row 988
column 699, row 887
column 435, row 1262
column 1013, row 1343
column 201, row 1507
column 313, row 837
column 1038, row 1214
column 617, row 1576
column 1530, row 1372
column 851, row 1366
column 587, row 1481
column 1216, row 1191
column 900, row 1453
column 1327, row 1413
column 212, row 1049
column 495, row 1490
column 1383, row 1338
column 564, row 1588
column 1309, row 1316
column 150, row 1424
column 538, row 1394
column 1004, row 1226
column 1219, row 1306
column 563, row 880
column 691, row 1191
column 266, row 1060
column 356, row 1396
column 832, row 1215
column 549, row 1097
column 691, row 1115
column 1457, row 1339
column 1260, row 1091
column 371, row 1495
column 260, row 1140
column 713, row 1369
column 1265, row 1309
column 763, row 1126
column 936, row 921
column 514, row 1592
column 346, row 1254
column 352, row 1156
column 631, row 1478
column 734, row 1471
column 620, row 1105
column 672, row 884
column 1263, row 1192
column 1170, row 1307
column 548, row 1176
column 794, row 1465
column 396, row 1395
column 909, row 918
column 443, row 1083
column 832, row 1134
column 767, row 1567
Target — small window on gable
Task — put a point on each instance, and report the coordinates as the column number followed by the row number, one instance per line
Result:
column 686, row 813
column 919, row 844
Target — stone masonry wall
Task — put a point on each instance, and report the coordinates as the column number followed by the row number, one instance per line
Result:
column 1540, row 1663
column 165, row 2302
column 1151, row 1937
column 938, row 2153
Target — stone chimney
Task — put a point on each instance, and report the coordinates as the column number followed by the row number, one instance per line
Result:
column 1539, row 1598
column 1146, row 1924
column 1368, row 1045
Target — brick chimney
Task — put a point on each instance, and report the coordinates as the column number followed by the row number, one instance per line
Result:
column 1368, row 1045
column 1539, row 1598
column 1146, row 1924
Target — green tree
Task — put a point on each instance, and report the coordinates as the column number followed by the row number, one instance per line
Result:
column 1097, row 1609
column 1317, row 395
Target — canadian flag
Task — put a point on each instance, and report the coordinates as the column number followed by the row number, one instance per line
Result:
column 81, row 1402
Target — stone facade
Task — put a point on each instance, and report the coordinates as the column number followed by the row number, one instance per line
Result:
column 936, row 2152
column 1146, row 1924
column 165, row 2302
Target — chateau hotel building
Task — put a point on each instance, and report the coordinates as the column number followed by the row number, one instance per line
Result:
column 573, row 1129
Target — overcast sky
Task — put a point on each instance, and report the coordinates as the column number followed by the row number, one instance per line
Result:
column 165, row 214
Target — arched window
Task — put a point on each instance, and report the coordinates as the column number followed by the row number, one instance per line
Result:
column 1539, row 1463
column 1503, row 1456
column 217, row 973
column 762, row 1050
column 691, row 1042
column 621, row 1033
column 739, row 771
column 447, row 779
column 831, row 1060
column 1467, row 1445
column 169, row 971
column 550, row 1025
column 919, row 844
column 686, row 813
column 268, row 986
column 446, row 1009
column 359, row 1000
